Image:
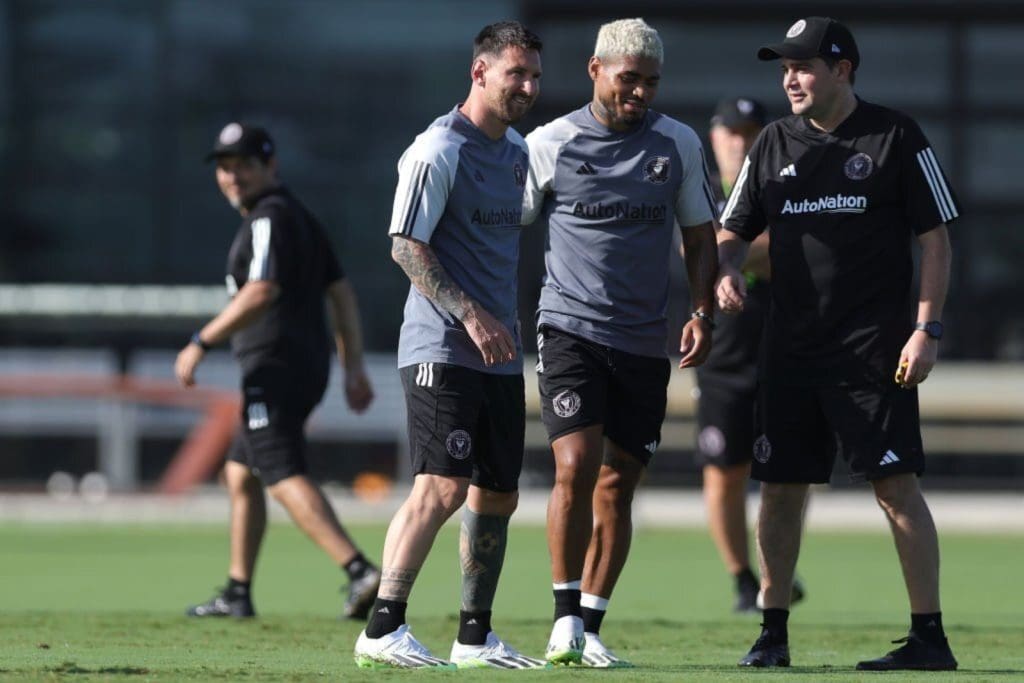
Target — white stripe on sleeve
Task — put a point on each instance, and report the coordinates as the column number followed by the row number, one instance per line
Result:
column 933, row 179
column 737, row 190
column 943, row 187
column 260, row 248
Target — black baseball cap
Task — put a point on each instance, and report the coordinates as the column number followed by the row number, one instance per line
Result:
column 814, row 37
column 242, row 140
column 737, row 112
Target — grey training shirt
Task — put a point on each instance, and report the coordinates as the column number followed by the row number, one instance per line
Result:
column 611, row 200
column 461, row 192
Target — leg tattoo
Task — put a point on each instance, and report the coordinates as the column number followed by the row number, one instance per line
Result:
column 482, row 541
column 396, row 584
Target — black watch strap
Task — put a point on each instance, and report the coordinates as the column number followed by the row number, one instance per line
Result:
column 701, row 315
column 198, row 341
column 933, row 328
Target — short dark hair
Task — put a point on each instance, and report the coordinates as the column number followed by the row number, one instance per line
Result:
column 495, row 37
column 831, row 62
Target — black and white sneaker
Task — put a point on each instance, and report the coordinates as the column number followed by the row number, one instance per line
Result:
column 223, row 605
column 361, row 594
column 766, row 652
column 916, row 654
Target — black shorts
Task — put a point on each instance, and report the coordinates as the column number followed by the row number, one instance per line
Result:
column 875, row 429
column 466, row 423
column 584, row 384
column 726, row 420
column 276, row 401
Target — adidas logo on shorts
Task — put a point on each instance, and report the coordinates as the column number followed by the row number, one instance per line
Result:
column 889, row 458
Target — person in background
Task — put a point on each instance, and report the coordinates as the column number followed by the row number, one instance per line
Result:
column 281, row 268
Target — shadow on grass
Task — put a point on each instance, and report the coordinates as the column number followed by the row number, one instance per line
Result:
column 73, row 668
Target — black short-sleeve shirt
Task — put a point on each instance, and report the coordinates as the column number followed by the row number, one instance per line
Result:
column 281, row 241
column 842, row 208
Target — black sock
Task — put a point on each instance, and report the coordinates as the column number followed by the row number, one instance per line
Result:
column 385, row 617
column 237, row 589
column 356, row 567
column 746, row 581
column 775, row 624
column 592, row 619
column 928, row 627
column 567, row 603
column 474, row 627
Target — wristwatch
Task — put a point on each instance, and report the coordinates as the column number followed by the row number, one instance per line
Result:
column 933, row 328
column 198, row 341
column 707, row 319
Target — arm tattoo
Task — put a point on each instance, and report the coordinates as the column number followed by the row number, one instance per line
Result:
column 396, row 584
column 482, row 540
column 428, row 275
column 701, row 264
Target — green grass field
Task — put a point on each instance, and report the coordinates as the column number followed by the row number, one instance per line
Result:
column 89, row 603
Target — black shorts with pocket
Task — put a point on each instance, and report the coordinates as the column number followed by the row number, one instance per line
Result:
column 276, row 401
column 583, row 383
column 466, row 423
column 875, row 429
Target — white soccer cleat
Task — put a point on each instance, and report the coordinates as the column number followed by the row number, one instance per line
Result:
column 565, row 647
column 598, row 656
column 494, row 653
column 398, row 650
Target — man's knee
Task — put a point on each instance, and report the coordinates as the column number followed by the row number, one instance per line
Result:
column 486, row 502
column 434, row 496
column 293, row 489
column 615, row 490
column 897, row 493
column 241, row 481
column 783, row 498
column 576, row 467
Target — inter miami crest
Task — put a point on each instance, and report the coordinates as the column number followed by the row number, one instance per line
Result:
column 859, row 166
column 762, row 449
column 656, row 170
column 567, row 403
column 459, row 444
column 520, row 175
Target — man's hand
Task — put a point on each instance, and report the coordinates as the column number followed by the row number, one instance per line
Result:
column 695, row 344
column 358, row 390
column 186, row 363
column 731, row 288
column 916, row 359
column 495, row 342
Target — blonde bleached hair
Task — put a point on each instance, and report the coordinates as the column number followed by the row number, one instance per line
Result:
column 629, row 38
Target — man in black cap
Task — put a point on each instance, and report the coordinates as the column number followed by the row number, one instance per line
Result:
column 281, row 267
column 728, row 379
column 844, row 185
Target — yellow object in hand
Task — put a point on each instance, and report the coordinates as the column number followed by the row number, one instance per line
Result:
column 901, row 373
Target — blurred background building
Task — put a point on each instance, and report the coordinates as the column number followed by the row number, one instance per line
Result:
column 113, row 236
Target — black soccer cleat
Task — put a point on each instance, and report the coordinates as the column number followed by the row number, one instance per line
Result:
column 916, row 654
column 746, row 599
column 361, row 594
column 223, row 605
column 766, row 652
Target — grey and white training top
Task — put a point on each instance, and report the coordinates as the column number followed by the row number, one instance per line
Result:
column 611, row 201
column 461, row 192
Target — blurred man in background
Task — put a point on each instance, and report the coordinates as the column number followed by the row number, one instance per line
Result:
column 612, row 179
column 845, row 186
column 728, row 379
column 280, row 268
column 455, row 232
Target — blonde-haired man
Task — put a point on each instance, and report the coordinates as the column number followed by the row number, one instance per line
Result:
column 612, row 179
